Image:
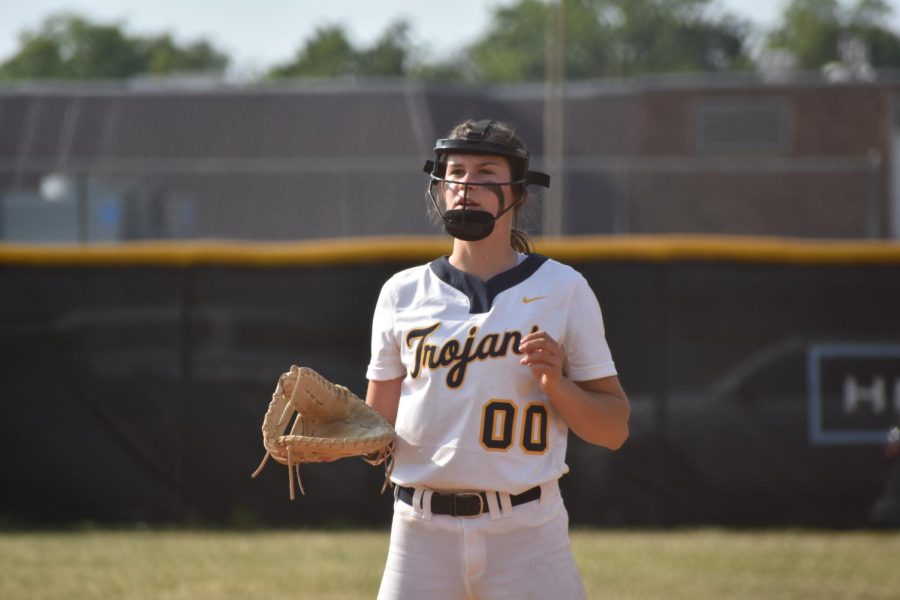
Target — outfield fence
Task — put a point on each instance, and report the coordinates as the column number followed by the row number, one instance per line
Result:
column 762, row 374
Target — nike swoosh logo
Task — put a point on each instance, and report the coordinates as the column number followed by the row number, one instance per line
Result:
column 527, row 300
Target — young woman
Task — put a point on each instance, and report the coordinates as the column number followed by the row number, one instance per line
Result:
column 483, row 361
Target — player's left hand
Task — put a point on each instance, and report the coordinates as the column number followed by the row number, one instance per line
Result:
column 545, row 357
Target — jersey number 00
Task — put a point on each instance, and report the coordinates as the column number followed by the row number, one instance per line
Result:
column 498, row 424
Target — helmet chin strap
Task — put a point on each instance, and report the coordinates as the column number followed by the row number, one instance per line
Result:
column 471, row 225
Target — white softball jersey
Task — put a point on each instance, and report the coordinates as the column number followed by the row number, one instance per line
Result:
column 471, row 416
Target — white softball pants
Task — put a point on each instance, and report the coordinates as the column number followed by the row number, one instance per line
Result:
column 512, row 552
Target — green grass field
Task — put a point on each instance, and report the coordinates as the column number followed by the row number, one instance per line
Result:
column 204, row 565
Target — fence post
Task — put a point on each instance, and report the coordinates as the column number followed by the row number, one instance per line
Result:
column 554, row 210
column 81, row 206
column 873, row 205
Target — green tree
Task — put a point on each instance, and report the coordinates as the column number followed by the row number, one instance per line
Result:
column 606, row 38
column 812, row 30
column 162, row 55
column 512, row 49
column 329, row 53
column 676, row 36
column 37, row 57
column 68, row 46
column 865, row 22
column 448, row 71
column 390, row 54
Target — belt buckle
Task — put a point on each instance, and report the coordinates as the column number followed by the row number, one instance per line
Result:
column 462, row 495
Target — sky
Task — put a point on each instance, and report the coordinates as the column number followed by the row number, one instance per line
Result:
column 259, row 34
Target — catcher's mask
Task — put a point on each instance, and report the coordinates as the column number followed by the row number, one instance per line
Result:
column 471, row 225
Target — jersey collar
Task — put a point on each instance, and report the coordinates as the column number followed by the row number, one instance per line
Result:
column 480, row 293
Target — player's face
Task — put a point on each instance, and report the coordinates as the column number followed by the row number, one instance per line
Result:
column 476, row 168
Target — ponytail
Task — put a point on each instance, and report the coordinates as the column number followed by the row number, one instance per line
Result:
column 520, row 241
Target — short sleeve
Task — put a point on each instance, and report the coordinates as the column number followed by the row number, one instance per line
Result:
column 385, row 360
column 587, row 352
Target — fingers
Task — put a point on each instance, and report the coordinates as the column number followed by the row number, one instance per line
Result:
column 542, row 342
column 541, row 352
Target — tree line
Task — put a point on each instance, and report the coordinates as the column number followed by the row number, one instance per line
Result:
column 603, row 38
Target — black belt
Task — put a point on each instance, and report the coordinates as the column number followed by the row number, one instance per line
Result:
column 465, row 504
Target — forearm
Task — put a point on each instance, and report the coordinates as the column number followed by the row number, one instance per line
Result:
column 384, row 396
column 598, row 415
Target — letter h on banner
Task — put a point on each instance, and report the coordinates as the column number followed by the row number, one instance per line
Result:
column 853, row 392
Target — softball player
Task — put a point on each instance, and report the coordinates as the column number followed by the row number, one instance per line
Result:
column 483, row 361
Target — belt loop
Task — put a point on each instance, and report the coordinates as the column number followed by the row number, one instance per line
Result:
column 493, row 504
column 505, row 504
column 426, row 502
column 547, row 488
column 417, row 500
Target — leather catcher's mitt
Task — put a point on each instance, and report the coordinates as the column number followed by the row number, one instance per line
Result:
column 311, row 419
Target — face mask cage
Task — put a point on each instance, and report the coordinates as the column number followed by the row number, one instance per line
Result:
column 439, row 187
column 465, row 223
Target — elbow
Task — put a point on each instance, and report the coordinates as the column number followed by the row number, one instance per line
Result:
column 618, row 438
column 612, row 438
column 618, row 435
column 609, row 428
